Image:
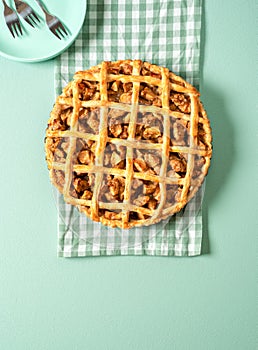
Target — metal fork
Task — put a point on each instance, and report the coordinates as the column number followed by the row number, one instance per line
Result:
column 26, row 12
column 12, row 20
column 54, row 23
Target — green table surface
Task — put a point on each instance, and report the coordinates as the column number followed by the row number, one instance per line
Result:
column 207, row 302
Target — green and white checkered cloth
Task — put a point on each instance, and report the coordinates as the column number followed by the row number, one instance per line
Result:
column 165, row 33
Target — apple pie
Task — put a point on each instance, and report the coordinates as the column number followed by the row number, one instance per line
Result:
column 128, row 143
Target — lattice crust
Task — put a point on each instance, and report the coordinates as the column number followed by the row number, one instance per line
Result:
column 128, row 143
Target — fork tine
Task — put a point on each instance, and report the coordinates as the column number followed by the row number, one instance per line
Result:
column 35, row 15
column 58, row 33
column 28, row 20
column 62, row 35
column 54, row 31
column 63, row 28
column 19, row 26
column 11, row 29
column 15, row 29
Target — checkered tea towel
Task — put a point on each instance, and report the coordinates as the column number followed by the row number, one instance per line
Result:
column 165, row 33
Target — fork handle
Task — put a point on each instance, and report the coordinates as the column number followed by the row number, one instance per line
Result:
column 7, row 9
column 5, row 4
column 42, row 7
column 20, row 5
column 47, row 14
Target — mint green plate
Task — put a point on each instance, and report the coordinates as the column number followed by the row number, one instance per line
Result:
column 39, row 44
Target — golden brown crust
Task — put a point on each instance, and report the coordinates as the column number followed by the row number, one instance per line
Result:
column 128, row 143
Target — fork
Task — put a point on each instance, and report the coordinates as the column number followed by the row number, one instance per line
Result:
column 12, row 20
column 54, row 23
column 26, row 12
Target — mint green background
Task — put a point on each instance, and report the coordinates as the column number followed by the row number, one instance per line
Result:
column 207, row 302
